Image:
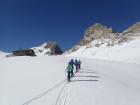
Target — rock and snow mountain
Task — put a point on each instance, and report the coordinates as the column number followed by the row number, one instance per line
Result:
column 48, row 48
column 101, row 42
column 41, row 80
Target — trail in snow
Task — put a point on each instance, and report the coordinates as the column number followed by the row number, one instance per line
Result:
column 65, row 89
column 99, row 82
column 62, row 96
column 82, row 77
column 44, row 93
column 90, row 87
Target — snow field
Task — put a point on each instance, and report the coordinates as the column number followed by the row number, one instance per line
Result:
column 126, row 52
column 41, row 81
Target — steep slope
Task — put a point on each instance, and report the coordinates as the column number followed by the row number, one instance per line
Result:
column 40, row 81
column 126, row 52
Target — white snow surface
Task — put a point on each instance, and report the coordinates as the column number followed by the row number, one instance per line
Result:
column 3, row 54
column 126, row 52
column 41, row 81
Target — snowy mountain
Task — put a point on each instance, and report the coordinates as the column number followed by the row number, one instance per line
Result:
column 101, row 42
column 42, row 80
column 50, row 48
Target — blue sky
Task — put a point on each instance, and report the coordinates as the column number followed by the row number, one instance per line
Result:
column 28, row 23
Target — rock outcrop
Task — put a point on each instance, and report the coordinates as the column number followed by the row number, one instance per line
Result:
column 54, row 47
column 95, row 32
column 50, row 48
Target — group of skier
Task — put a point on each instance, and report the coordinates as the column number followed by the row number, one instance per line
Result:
column 70, row 68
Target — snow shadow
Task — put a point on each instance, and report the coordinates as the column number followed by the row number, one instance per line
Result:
column 88, row 76
column 83, row 80
column 87, row 71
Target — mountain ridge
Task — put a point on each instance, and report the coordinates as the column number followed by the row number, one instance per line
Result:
column 102, row 34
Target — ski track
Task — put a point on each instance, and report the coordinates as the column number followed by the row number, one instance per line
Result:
column 64, row 92
column 85, row 76
column 60, row 95
column 44, row 93
column 64, row 96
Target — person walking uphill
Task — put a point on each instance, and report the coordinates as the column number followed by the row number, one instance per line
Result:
column 68, row 69
column 72, row 63
column 76, row 65
column 79, row 63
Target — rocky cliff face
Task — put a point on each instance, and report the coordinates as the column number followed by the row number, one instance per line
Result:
column 95, row 32
column 54, row 47
column 98, row 35
column 133, row 29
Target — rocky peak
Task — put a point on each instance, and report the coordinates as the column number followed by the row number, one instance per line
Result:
column 98, row 35
column 133, row 29
column 95, row 31
column 54, row 47
column 49, row 48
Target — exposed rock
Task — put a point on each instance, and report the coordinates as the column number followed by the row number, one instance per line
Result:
column 98, row 35
column 133, row 29
column 95, row 32
column 54, row 47
column 50, row 48
column 131, row 33
column 28, row 52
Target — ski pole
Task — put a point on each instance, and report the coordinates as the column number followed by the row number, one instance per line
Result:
column 65, row 75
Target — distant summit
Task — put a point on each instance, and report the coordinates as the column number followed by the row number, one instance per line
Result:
column 134, row 28
column 95, row 32
column 48, row 48
column 98, row 35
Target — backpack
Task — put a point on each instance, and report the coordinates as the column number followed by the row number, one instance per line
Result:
column 69, row 67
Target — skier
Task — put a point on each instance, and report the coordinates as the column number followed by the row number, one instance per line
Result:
column 72, row 63
column 68, row 69
column 79, row 62
column 76, row 65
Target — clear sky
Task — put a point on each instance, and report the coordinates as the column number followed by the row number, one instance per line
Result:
column 28, row 23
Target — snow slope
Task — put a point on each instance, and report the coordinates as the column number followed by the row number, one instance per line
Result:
column 2, row 54
column 125, row 52
column 41, row 81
